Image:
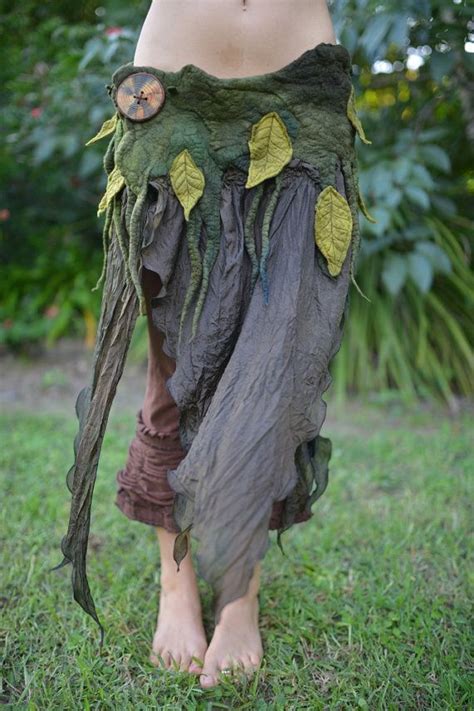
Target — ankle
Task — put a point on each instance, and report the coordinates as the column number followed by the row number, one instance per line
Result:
column 181, row 582
column 242, row 608
column 174, row 583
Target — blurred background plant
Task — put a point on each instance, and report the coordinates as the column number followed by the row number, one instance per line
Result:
column 413, row 67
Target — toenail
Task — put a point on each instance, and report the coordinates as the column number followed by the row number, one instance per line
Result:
column 206, row 679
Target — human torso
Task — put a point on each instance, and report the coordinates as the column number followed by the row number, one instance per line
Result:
column 231, row 38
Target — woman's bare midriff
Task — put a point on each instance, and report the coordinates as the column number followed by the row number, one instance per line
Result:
column 231, row 38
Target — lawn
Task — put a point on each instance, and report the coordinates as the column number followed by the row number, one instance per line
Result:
column 369, row 609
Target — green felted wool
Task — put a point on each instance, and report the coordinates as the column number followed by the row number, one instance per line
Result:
column 209, row 124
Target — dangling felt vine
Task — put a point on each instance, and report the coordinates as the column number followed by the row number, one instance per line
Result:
column 354, row 118
column 115, row 183
column 105, row 244
column 267, row 218
column 135, row 232
column 249, row 232
column 363, row 208
column 193, row 230
column 349, row 169
column 122, row 235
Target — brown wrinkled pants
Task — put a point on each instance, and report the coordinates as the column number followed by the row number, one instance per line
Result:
column 144, row 493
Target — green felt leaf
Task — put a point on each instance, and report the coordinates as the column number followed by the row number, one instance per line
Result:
column 115, row 183
column 181, row 545
column 187, row 181
column 354, row 119
column 333, row 227
column 106, row 129
column 270, row 149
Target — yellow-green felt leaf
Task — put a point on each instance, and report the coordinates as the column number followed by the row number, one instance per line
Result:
column 115, row 183
column 270, row 149
column 363, row 208
column 354, row 119
column 107, row 128
column 333, row 227
column 187, row 181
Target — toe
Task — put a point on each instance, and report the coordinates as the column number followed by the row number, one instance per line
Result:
column 207, row 680
column 175, row 662
column 185, row 662
column 231, row 668
column 209, row 674
column 196, row 665
column 166, row 657
column 247, row 663
column 228, row 664
column 156, row 658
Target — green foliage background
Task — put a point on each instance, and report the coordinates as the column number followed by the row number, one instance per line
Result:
column 417, row 179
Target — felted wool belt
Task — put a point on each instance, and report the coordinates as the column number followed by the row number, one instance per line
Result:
column 242, row 194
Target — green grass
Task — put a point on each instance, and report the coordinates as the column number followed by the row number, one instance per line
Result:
column 370, row 608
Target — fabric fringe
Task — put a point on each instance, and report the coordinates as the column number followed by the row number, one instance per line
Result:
column 114, row 333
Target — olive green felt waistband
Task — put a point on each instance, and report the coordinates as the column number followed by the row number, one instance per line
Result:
column 196, row 126
column 211, row 116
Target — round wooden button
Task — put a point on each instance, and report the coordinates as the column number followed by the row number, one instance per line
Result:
column 140, row 96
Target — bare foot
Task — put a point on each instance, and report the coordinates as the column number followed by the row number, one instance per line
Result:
column 179, row 641
column 236, row 643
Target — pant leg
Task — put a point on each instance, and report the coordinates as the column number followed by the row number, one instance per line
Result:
column 143, row 491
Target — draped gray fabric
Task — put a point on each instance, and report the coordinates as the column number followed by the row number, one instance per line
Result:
column 117, row 320
column 249, row 385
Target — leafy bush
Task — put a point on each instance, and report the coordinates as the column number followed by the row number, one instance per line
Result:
column 50, row 238
column 413, row 82
column 413, row 78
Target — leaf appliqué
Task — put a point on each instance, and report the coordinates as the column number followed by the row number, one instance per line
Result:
column 181, row 545
column 106, row 129
column 270, row 149
column 115, row 183
column 354, row 119
column 187, row 181
column 333, row 228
